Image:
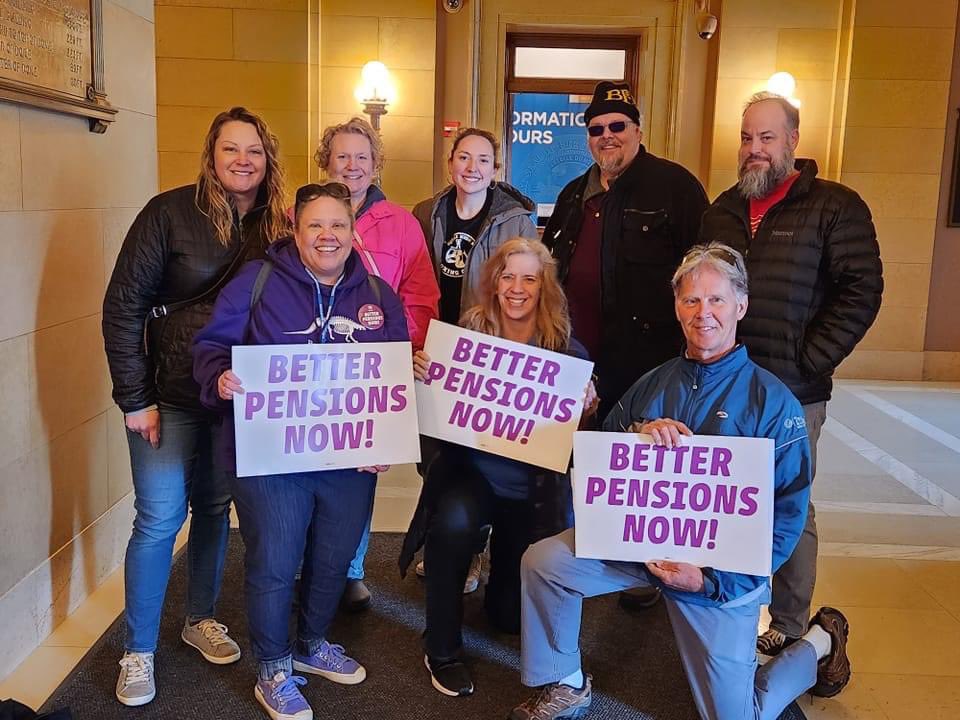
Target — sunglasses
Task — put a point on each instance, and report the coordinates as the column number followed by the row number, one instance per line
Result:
column 310, row 192
column 616, row 127
column 719, row 253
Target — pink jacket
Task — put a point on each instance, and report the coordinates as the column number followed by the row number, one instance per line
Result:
column 390, row 242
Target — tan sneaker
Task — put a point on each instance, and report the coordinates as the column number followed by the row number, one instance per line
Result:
column 210, row 638
column 556, row 702
column 136, row 685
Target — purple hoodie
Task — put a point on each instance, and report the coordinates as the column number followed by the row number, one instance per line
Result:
column 287, row 313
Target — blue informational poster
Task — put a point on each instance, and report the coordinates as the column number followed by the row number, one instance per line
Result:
column 548, row 145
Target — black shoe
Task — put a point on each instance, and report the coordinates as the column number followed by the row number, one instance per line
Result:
column 642, row 598
column 449, row 677
column 356, row 597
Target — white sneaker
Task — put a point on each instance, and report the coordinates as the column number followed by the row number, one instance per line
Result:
column 136, row 685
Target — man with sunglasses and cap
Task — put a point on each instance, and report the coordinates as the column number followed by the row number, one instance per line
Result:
column 711, row 388
column 812, row 252
column 621, row 228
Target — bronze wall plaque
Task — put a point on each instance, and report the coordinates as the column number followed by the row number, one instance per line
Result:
column 51, row 57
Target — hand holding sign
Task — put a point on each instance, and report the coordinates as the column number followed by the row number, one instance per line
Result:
column 679, row 576
column 229, row 385
column 664, row 431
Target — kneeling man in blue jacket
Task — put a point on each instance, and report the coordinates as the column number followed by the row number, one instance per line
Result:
column 712, row 389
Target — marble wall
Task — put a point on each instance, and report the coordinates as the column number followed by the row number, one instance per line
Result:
column 67, row 197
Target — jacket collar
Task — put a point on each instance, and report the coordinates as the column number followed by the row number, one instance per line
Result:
column 729, row 364
column 374, row 196
column 733, row 200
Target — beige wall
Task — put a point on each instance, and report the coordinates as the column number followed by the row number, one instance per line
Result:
column 402, row 35
column 757, row 39
column 67, row 197
column 896, row 115
column 213, row 54
column 942, row 343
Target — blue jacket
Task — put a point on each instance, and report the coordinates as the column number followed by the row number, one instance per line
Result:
column 735, row 397
column 286, row 313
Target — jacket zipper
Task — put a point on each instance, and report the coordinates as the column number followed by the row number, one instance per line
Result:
column 695, row 388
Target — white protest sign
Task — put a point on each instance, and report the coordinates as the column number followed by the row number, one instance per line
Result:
column 708, row 502
column 324, row 407
column 504, row 397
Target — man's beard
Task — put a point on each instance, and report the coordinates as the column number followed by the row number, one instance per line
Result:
column 758, row 182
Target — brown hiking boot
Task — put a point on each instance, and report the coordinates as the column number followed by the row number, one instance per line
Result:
column 555, row 702
column 833, row 671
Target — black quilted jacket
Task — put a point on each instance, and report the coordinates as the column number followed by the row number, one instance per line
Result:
column 815, row 278
column 171, row 253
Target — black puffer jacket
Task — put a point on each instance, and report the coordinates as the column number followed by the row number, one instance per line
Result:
column 815, row 278
column 651, row 218
column 171, row 253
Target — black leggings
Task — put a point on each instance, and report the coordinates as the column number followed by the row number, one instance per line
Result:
column 461, row 512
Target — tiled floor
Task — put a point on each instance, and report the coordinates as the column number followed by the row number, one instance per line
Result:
column 888, row 498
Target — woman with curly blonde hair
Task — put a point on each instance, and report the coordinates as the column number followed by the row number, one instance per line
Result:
column 519, row 298
column 181, row 249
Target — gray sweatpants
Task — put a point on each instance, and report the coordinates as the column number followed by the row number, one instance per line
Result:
column 717, row 644
column 793, row 583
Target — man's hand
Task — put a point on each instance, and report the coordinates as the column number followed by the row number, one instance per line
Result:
column 665, row 431
column 679, row 576
column 373, row 468
column 147, row 424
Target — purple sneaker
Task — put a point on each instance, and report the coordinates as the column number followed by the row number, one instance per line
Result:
column 281, row 697
column 329, row 661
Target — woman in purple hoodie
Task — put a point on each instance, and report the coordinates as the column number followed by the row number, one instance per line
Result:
column 303, row 291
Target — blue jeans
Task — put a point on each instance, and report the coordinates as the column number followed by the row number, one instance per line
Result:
column 717, row 644
column 317, row 516
column 356, row 570
column 165, row 480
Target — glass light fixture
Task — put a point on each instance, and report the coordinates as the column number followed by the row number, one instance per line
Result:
column 375, row 91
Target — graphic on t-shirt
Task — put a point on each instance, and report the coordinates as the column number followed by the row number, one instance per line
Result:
column 456, row 250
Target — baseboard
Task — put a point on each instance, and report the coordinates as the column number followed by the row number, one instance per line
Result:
column 33, row 608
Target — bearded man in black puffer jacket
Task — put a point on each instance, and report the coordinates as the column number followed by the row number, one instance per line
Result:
column 816, row 281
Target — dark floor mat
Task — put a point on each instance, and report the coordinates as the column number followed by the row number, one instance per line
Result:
column 636, row 668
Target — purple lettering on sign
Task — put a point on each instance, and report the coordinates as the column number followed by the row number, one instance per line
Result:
column 596, row 487
column 277, row 369
column 253, row 403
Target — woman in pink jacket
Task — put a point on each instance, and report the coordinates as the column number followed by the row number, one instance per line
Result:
column 390, row 242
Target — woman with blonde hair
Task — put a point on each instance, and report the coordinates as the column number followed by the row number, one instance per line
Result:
column 389, row 242
column 184, row 246
column 520, row 299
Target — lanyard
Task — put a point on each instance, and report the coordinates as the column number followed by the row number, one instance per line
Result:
column 323, row 318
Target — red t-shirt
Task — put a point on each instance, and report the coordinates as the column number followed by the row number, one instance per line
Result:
column 583, row 278
column 758, row 208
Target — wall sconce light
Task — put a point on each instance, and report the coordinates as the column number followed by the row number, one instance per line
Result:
column 784, row 84
column 375, row 91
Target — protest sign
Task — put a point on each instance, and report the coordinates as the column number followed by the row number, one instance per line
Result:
column 504, row 397
column 324, row 407
column 708, row 502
